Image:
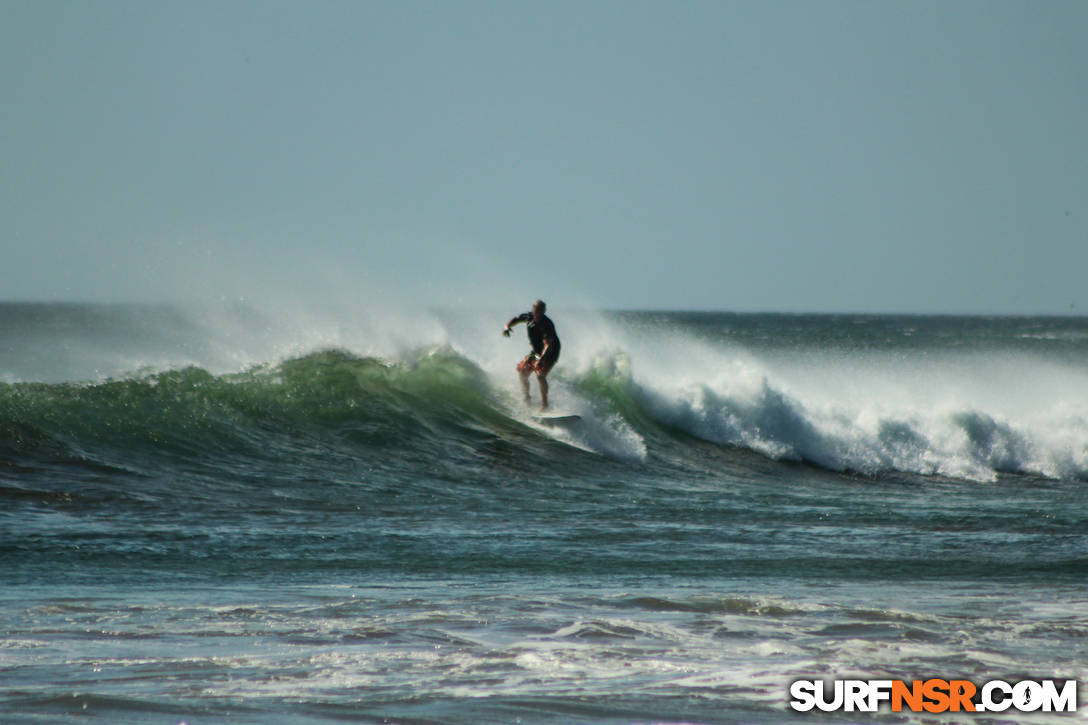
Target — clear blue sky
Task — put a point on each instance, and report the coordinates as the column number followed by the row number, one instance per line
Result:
column 809, row 156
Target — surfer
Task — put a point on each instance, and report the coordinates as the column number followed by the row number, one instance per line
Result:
column 545, row 352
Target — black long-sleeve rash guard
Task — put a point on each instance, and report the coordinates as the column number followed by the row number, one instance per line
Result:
column 539, row 332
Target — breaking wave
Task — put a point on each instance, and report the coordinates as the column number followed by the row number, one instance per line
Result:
column 435, row 395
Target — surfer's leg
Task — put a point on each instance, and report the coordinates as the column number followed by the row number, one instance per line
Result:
column 542, row 369
column 525, row 386
column 525, row 368
column 542, row 378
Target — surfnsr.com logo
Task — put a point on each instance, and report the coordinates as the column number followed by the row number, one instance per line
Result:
column 934, row 695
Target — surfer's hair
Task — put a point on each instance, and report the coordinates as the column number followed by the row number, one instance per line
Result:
column 540, row 303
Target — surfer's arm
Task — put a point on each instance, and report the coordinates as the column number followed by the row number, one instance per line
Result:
column 549, row 341
column 513, row 321
column 550, row 338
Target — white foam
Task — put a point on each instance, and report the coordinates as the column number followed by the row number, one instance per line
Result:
column 968, row 415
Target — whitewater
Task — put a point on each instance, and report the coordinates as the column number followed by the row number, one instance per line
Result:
column 226, row 513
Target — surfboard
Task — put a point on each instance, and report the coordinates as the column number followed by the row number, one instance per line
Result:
column 556, row 419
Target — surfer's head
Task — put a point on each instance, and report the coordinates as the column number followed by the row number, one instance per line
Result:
column 538, row 308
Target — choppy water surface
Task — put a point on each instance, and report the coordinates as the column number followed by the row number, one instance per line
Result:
column 205, row 517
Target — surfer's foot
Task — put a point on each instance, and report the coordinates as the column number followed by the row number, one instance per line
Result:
column 543, row 409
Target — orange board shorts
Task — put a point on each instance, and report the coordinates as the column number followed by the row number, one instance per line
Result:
column 529, row 364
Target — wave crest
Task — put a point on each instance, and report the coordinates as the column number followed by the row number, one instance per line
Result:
column 437, row 403
column 742, row 407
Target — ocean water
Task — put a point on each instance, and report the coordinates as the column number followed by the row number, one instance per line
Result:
column 233, row 515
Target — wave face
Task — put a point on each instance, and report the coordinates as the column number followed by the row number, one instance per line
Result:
column 966, row 398
column 886, row 423
column 958, row 397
